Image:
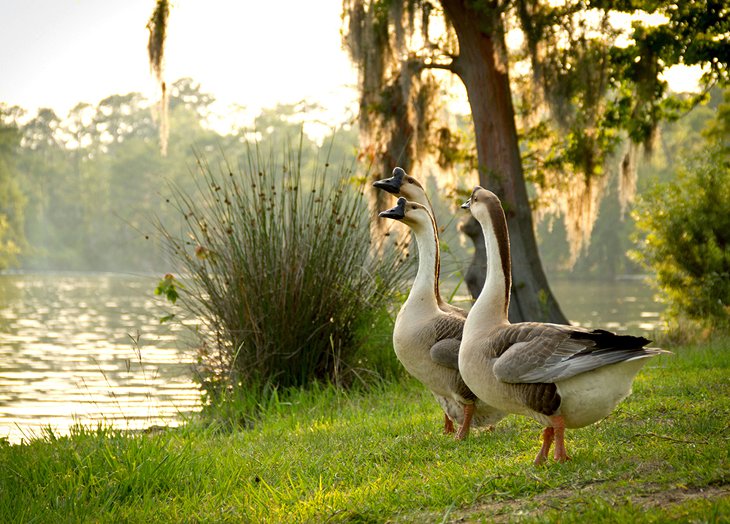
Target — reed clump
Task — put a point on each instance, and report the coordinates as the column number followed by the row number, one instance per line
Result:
column 278, row 268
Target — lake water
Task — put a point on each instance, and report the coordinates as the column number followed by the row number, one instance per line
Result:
column 89, row 347
column 84, row 348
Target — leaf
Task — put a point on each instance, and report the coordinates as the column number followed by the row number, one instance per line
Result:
column 168, row 287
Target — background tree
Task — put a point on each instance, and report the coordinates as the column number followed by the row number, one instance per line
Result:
column 12, row 201
column 607, row 255
column 157, row 26
column 46, row 179
column 591, row 90
column 397, row 100
column 684, row 231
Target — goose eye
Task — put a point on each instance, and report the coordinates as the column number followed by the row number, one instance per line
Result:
column 409, row 180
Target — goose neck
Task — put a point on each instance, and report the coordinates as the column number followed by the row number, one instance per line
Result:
column 425, row 286
column 493, row 302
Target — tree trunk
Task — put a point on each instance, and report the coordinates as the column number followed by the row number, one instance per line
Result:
column 485, row 76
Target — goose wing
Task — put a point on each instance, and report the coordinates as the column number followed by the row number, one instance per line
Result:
column 446, row 353
column 547, row 353
column 447, row 330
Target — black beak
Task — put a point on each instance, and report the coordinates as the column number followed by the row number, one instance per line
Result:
column 392, row 184
column 396, row 213
column 467, row 204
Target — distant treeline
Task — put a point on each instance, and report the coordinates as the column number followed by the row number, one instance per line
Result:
column 82, row 192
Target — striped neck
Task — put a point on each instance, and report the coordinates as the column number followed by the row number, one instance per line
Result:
column 493, row 302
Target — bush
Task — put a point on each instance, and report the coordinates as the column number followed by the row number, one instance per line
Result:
column 277, row 268
column 684, row 234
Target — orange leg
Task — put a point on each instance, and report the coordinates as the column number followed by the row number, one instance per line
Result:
column 560, row 454
column 464, row 428
column 448, row 425
column 547, row 441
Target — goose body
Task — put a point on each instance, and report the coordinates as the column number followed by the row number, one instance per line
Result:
column 561, row 376
column 426, row 337
column 492, row 362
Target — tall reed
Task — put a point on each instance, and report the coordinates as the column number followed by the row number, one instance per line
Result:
column 277, row 265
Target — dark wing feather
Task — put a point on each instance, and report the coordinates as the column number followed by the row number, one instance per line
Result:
column 548, row 352
column 446, row 353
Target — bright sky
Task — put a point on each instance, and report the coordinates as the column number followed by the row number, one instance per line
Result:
column 254, row 53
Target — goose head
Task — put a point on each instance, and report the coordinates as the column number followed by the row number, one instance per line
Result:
column 482, row 204
column 413, row 214
column 487, row 209
column 402, row 184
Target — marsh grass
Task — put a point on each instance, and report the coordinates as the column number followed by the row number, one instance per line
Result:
column 325, row 454
column 277, row 265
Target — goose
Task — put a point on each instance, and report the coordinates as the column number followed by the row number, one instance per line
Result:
column 402, row 184
column 562, row 376
column 426, row 337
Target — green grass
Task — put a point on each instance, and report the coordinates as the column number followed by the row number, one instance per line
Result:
column 379, row 456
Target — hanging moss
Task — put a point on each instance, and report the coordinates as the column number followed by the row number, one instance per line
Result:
column 157, row 27
column 398, row 99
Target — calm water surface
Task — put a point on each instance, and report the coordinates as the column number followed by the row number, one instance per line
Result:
column 87, row 348
column 624, row 306
column 84, row 348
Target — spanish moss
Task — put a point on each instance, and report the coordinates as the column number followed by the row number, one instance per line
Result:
column 399, row 101
column 157, row 26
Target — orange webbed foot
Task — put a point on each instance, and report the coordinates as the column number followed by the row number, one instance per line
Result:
column 448, row 425
column 547, row 440
column 466, row 424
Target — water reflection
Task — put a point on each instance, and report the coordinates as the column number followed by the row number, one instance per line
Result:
column 84, row 348
column 625, row 306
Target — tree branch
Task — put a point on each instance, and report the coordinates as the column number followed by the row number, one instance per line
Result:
column 447, row 67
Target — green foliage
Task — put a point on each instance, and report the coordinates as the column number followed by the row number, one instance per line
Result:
column 685, row 239
column 168, row 287
column 597, row 89
column 323, row 454
column 12, row 201
column 277, row 266
column 607, row 255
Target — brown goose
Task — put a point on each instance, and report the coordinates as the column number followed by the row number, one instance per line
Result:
column 404, row 185
column 426, row 338
column 562, row 376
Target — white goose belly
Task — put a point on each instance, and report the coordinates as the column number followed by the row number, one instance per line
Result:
column 593, row 395
column 481, row 380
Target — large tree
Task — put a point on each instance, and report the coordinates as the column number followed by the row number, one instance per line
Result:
column 594, row 79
